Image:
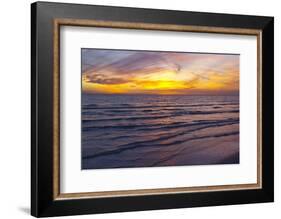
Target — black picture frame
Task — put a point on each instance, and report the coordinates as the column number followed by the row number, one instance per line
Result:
column 43, row 201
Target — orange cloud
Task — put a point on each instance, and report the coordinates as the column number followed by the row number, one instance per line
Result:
column 131, row 72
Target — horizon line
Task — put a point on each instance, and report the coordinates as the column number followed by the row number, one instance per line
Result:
column 150, row 94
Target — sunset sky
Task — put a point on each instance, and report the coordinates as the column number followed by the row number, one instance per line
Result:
column 153, row 72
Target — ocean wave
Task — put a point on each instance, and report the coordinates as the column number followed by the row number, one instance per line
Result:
column 154, row 143
column 158, row 130
column 171, row 115
column 159, row 126
column 135, row 106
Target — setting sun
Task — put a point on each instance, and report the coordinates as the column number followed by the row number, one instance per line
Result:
column 142, row 72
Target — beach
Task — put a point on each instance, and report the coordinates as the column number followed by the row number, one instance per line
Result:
column 125, row 131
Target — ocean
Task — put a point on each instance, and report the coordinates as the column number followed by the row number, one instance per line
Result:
column 122, row 131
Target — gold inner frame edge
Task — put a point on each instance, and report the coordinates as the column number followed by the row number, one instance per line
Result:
column 146, row 26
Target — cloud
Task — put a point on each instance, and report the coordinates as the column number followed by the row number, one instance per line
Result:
column 109, row 67
column 145, row 69
column 101, row 79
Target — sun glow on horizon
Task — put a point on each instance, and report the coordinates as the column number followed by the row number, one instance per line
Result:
column 141, row 72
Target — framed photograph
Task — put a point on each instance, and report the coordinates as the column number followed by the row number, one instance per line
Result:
column 141, row 109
